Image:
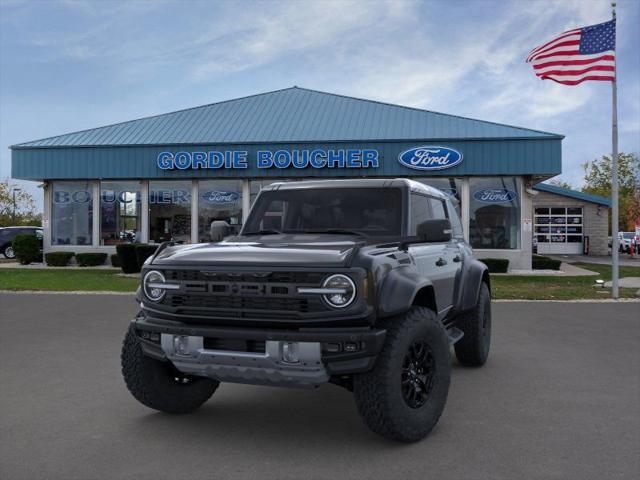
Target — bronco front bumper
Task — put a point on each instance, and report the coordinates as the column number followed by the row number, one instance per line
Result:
column 304, row 357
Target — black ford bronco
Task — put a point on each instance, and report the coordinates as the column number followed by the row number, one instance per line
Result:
column 362, row 283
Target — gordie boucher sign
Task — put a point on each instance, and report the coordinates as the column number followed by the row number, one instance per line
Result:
column 418, row 158
column 239, row 159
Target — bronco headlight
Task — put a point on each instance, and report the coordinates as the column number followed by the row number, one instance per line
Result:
column 342, row 290
column 153, row 285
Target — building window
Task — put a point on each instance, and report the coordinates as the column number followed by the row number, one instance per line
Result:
column 218, row 200
column 119, row 212
column 450, row 186
column 170, row 211
column 72, row 213
column 494, row 213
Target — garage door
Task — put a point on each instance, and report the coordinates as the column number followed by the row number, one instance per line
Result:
column 558, row 229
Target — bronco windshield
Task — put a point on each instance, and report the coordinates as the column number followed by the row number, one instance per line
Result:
column 364, row 211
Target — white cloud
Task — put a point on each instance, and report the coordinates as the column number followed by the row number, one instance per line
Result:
column 287, row 29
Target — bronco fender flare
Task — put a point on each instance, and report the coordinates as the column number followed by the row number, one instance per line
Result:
column 474, row 272
column 400, row 288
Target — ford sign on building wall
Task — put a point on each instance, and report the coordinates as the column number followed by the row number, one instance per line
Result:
column 170, row 176
column 430, row 158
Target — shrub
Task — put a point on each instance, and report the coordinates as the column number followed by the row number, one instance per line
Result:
column 115, row 261
column 127, row 256
column 496, row 265
column 90, row 259
column 27, row 248
column 58, row 259
column 143, row 252
column 539, row 262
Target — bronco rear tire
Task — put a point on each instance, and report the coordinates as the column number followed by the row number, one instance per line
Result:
column 403, row 397
column 473, row 348
column 159, row 385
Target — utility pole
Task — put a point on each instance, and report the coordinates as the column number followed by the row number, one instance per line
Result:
column 14, row 203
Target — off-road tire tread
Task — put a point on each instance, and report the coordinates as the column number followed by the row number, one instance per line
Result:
column 469, row 350
column 370, row 389
column 148, row 381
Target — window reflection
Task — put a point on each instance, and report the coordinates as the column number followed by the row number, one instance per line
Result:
column 72, row 213
column 219, row 200
column 494, row 213
column 170, row 211
column 119, row 212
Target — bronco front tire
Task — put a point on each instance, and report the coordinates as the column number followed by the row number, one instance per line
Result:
column 403, row 397
column 159, row 385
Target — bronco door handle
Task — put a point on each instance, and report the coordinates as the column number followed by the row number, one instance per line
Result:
column 441, row 262
column 457, row 258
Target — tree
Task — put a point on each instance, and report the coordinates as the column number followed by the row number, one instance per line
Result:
column 25, row 207
column 597, row 179
column 558, row 182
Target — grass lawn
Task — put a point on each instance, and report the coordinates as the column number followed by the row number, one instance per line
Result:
column 503, row 287
column 65, row 280
column 560, row 288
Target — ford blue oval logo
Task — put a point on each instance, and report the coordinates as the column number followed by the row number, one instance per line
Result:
column 430, row 158
column 495, row 195
column 220, row 197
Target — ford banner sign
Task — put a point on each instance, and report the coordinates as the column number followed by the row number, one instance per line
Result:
column 495, row 195
column 430, row 158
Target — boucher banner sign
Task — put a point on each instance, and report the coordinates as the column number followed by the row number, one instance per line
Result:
column 156, row 196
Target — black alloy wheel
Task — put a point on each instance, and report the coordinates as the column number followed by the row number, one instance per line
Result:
column 418, row 373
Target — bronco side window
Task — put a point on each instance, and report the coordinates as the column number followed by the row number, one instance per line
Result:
column 419, row 211
column 438, row 209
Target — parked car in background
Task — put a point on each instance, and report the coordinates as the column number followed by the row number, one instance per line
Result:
column 625, row 240
column 7, row 234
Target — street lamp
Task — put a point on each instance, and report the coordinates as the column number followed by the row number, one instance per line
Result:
column 14, row 203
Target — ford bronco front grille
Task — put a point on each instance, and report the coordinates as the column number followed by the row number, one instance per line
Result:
column 250, row 295
column 243, row 303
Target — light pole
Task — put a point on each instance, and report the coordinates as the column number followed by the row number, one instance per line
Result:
column 14, row 203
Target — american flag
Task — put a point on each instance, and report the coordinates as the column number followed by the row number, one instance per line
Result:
column 587, row 53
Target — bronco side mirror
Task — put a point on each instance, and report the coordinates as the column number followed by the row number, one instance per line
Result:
column 436, row 230
column 218, row 230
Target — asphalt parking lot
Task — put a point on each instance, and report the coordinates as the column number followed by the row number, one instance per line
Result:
column 558, row 399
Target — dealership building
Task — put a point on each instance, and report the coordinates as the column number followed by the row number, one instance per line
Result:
column 168, row 177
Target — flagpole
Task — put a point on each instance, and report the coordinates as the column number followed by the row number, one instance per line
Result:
column 614, row 177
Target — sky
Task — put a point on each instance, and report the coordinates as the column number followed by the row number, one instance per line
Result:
column 72, row 65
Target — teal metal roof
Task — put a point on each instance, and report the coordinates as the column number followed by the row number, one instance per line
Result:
column 291, row 115
column 565, row 192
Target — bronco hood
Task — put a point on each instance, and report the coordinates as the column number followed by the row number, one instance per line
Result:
column 272, row 250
